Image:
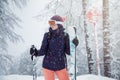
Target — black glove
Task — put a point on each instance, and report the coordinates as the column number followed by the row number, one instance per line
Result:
column 33, row 51
column 75, row 41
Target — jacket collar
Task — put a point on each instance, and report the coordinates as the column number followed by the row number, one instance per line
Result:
column 57, row 31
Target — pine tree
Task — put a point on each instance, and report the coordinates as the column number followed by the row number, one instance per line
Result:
column 8, row 22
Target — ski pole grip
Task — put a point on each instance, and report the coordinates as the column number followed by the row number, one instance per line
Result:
column 32, row 50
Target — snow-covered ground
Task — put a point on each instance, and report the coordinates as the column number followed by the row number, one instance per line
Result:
column 26, row 77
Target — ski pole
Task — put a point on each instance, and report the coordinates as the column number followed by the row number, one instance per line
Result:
column 75, row 53
column 32, row 52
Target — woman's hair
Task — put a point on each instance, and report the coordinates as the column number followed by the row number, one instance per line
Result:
column 60, row 25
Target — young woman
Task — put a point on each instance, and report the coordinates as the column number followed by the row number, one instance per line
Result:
column 55, row 46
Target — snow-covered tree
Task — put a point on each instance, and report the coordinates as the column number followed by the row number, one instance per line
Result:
column 88, row 49
column 14, row 66
column 115, row 38
column 5, row 64
column 8, row 22
column 106, row 39
column 25, row 63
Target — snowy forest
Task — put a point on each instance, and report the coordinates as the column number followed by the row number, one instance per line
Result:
column 97, row 23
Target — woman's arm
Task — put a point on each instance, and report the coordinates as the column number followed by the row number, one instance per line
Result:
column 67, row 44
column 43, row 49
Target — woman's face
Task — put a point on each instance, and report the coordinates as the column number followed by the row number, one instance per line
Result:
column 53, row 25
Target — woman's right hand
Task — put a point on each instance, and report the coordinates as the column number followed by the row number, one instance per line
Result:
column 33, row 51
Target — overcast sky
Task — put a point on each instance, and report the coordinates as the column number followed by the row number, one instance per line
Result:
column 32, row 29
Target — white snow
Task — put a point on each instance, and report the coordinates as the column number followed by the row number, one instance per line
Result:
column 26, row 77
column 93, row 77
